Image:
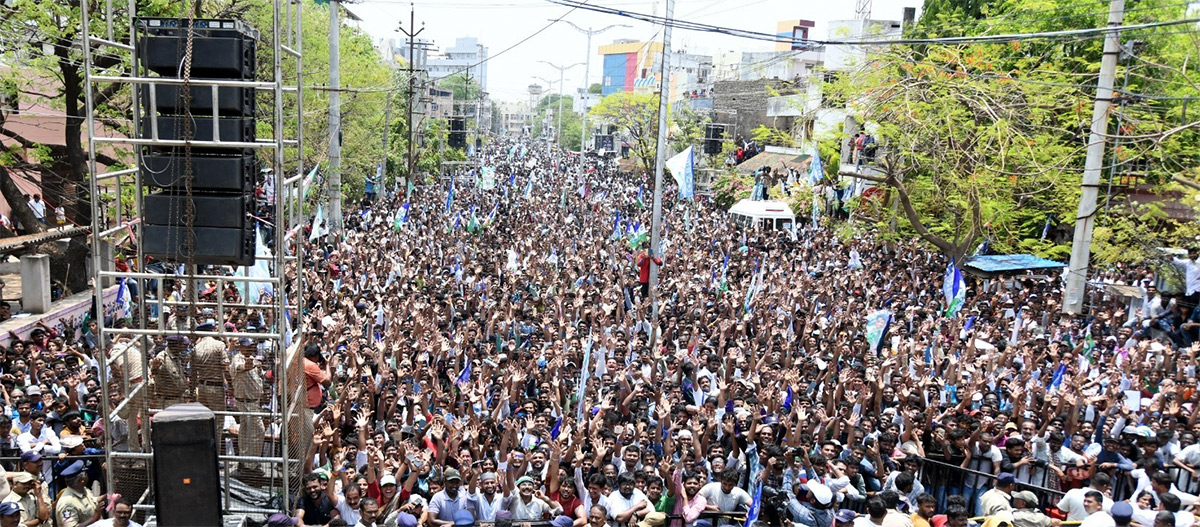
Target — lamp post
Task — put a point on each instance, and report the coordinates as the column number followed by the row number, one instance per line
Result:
column 587, row 69
column 548, row 84
column 561, row 70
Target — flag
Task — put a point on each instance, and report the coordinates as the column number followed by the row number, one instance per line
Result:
column 306, row 184
column 464, row 377
column 982, row 249
column 122, row 304
column 529, row 187
column 724, row 274
column 787, row 400
column 640, row 203
column 1089, row 346
column 512, row 179
column 755, row 505
column 752, row 290
column 1016, row 327
column 410, row 187
column 877, row 327
column 954, row 288
column 318, row 225
column 962, row 334
column 473, row 224
column 816, row 211
column 554, row 431
column 687, row 220
column 260, row 269
column 1057, row 380
column 457, row 218
column 637, row 236
column 815, row 171
column 403, row 217
column 450, row 196
column 1046, row 227
column 681, row 169
column 583, row 377
column 616, row 234
column 492, row 215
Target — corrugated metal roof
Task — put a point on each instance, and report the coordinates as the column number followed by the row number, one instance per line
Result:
column 18, row 243
column 1000, row 263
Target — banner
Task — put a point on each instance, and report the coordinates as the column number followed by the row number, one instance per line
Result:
column 681, row 167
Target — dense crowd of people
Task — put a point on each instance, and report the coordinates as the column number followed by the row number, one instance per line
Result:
column 482, row 349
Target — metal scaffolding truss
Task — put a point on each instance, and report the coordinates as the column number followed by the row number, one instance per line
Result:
column 127, row 378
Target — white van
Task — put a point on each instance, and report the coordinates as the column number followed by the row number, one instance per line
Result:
column 773, row 215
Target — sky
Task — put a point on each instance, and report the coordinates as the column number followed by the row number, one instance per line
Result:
column 499, row 24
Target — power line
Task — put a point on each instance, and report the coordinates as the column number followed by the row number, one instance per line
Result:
column 742, row 33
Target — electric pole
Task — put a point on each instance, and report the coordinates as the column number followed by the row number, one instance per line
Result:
column 587, row 71
column 1085, row 218
column 335, row 120
column 561, row 70
column 387, row 136
column 411, row 33
column 656, row 221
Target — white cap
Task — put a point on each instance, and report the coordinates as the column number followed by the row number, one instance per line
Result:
column 387, row 479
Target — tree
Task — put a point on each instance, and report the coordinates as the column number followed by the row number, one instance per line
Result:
column 596, row 87
column 636, row 115
column 464, row 88
column 686, row 128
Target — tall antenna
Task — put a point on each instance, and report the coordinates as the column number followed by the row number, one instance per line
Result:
column 862, row 9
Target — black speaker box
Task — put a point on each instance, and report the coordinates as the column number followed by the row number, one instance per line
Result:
column 212, row 246
column 188, row 490
column 226, row 211
column 209, row 172
column 231, row 102
column 222, row 49
column 237, row 129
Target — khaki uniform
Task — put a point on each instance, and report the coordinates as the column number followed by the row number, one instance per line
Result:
column 128, row 361
column 170, row 381
column 247, row 393
column 29, row 507
column 209, row 362
column 74, row 507
column 1030, row 518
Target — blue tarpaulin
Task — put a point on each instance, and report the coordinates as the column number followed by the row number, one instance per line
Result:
column 1008, row 263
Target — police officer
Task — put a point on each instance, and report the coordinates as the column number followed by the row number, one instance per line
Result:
column 209, row 364
column 168, row 374
column 77, row 505
column 246, row 372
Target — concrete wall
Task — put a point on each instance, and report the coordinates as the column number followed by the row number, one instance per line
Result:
column 744, row 104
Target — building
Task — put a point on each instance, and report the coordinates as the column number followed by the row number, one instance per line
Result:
column 843, row 57
column 583, row 101
column 440, row 103
column 691, row 75
column 792, row 29
column 399, row 49
column 467, row 54
column 629, row 64
column 752, row 65
column 514, row 118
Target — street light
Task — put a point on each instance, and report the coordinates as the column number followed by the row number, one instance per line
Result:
column 561, row 70
column 586, row 73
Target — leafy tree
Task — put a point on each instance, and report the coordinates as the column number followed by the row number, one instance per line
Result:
column 686, row 128
column 636, row 115
column 464, row 88
column 596, row 87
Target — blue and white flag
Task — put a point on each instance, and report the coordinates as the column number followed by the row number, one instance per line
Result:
column 1046, row 228
column 583, row 377
column 681, row 167
column 755, row 505
column 1016, row 327
column 877, row 326
column 1057, row 380
column 464, row 377
column 450, row 196
column 529, row 187
column 404, row 212
column 122, row 305
column 954, row 288
column 815, row 170
column 962, row 334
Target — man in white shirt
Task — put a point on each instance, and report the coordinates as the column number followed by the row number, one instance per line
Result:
column 1191, row 273
column 628, row 501
column 38, row 207
column 40, row 439
column 725, row 496
column 1072, row 502
column 1093, row 503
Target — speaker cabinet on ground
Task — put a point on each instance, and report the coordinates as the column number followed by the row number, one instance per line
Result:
column 184, row 438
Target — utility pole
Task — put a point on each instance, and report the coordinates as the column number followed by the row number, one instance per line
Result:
column 479, row 106
column 1085, row 218
column 561, row 70
column 412, row 73
column 387, row 135
column 587, row 70
column 656, row 221
column 335, row 120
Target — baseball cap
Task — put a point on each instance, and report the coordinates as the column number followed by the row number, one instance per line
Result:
column 450, row 474
column 23, row 477
column 1030, row 499
column 1005, row 478
column 463, row 517
column 845, row 516
column 9, row 508
column 1122, row 509
column 31, row 456
column 405, row 519
column 387, row 480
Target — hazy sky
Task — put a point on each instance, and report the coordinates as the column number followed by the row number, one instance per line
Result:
column 499, row 24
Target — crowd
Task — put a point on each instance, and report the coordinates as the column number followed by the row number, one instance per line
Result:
column 481, row 349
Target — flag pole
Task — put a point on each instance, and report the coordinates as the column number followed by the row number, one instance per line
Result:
column 656, row 222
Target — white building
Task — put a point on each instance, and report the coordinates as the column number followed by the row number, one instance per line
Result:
column 754, row 65
column 466, row 52
column 514, row 118
column 842, row 57
column 583, row 101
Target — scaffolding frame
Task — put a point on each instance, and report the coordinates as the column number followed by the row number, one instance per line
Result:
column 285, row 461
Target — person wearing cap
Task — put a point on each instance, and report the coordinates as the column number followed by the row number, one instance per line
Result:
column 526, row 505
column 447, row 502
column 844, row 518
column 27, row 492
column 10, row 514
column 209, row 367
column 1122, row 513
column 168, row 382
column 245, row 372
column 487, row 498
column 1026, row 512
column 812, row 503
column 77, row 506
column 280, row 519
column 998, row 500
